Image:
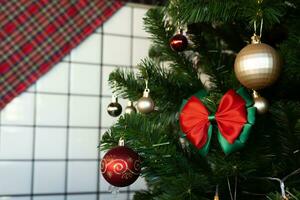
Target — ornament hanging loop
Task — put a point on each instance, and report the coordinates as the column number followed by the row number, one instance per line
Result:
column 261, row 27
column 255, row 39
column 146, row 83
column 282, row 187
column 114, row 98
column 147, row 90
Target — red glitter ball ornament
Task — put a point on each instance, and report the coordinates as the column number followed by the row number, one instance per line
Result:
column 121, row 166
column 178, row 42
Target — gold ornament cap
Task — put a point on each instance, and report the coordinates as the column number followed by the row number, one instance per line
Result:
column 255, row 39
column 146, row 92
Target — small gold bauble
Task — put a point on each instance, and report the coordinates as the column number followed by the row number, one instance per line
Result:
column 257, row 65
column 130, row 108
column 260, row 103
column 145, row 104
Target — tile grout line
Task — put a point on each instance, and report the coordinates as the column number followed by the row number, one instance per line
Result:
column 73, row 94
column 131, row 37
column 100, row 115
column 97, row 64
column 60, row 194
column 67, row 129
column 121, row 35
column 48, row 160
column 33, row 142
column 54, row 126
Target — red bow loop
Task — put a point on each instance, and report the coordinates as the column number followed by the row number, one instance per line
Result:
column 231, row 116
column 194, row 122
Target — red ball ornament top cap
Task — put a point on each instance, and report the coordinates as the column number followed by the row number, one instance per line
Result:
column 121, row 142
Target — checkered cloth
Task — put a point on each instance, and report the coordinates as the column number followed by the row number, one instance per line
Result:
column 37, row 34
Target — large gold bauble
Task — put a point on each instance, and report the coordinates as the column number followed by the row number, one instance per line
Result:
column 257, row 65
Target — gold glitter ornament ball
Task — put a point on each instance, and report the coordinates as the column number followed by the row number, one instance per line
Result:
column 257, row 65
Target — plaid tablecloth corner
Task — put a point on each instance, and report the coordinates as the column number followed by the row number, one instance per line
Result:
column 37, row 34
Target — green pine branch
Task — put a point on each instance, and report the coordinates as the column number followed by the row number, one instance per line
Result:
column 197, row 11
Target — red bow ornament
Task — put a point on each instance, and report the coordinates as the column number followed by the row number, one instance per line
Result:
column 234, row 119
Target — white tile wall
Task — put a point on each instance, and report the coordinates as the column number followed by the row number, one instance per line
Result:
column 15, row 177
column 49, row 177
column 49, row 134
column 58, row 76
column 82, row 177
column 138, row 24
column 16, row 143
column 117, row 26
column 51, row 110
column 85, row 79
column 106, row 90
column 54, row 197
column 84, row 111
column 140, row 49
column 89, row 51
column 14, row 198
column 50, row 143
column 119, row 55
column 82, row 197
column 83, row 143
column 119, row 196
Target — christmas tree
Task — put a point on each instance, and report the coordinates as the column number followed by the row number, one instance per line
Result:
column 267, row 165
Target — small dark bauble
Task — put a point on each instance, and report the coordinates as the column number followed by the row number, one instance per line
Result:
column 121, row 166
column 114, row 109
column 178, row 42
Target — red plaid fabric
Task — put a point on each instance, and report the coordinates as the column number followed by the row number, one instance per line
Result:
column 37, row 34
